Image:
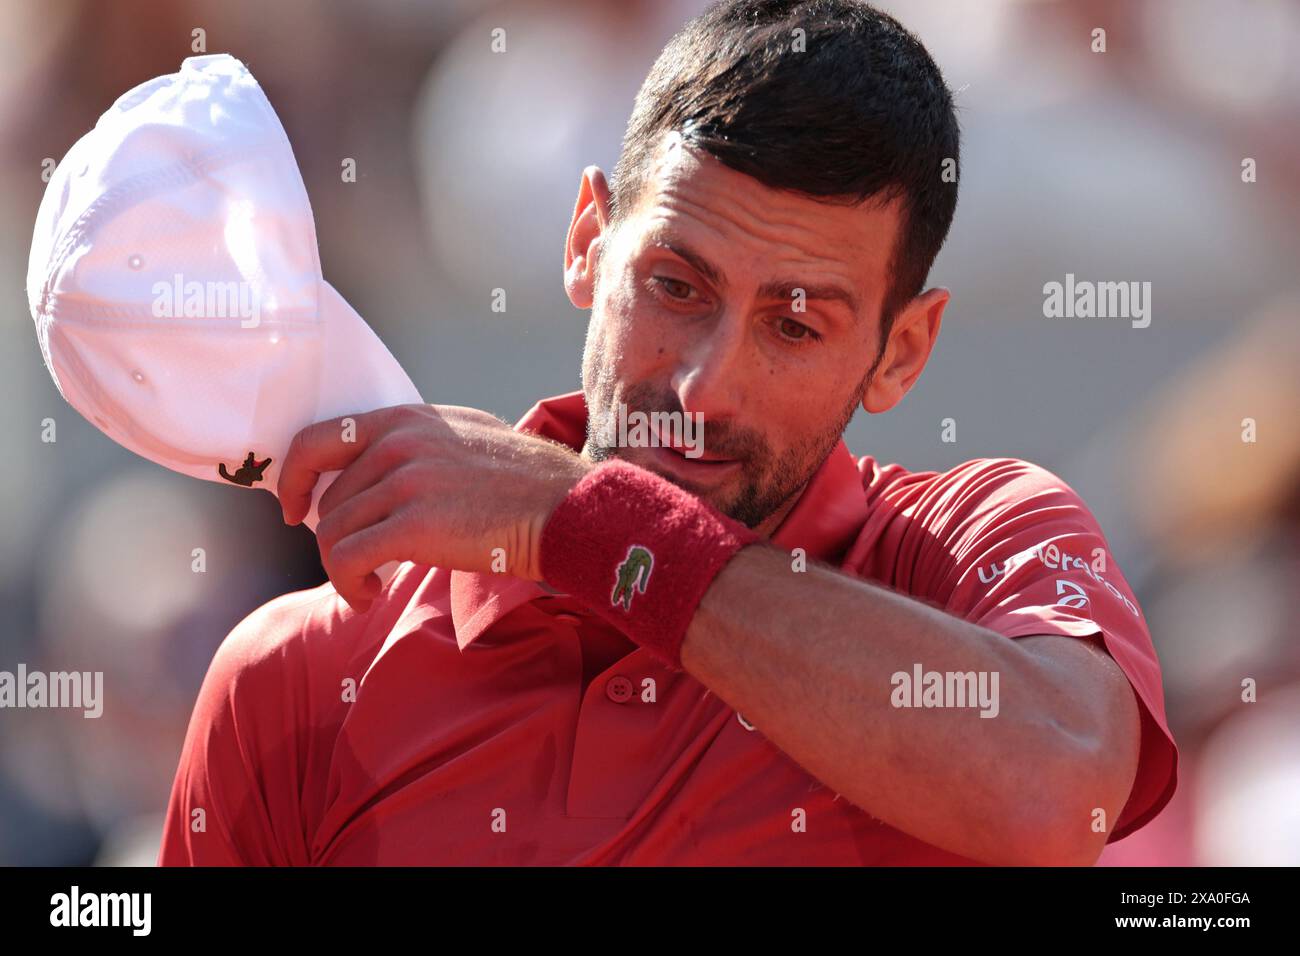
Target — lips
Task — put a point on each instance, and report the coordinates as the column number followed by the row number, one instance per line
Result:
column 696, row 474
column 666, row 442
column 702, row 459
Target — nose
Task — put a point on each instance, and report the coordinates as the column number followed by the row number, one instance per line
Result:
column 709, row 379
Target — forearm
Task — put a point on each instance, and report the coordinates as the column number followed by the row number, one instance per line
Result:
column 808, row 658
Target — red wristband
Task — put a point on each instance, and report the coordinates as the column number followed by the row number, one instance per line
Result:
column 638, row 551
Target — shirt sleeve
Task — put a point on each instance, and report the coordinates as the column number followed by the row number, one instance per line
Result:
column 234, row 798
column 1008, row 545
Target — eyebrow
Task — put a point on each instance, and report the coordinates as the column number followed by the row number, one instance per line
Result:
column 774, row 289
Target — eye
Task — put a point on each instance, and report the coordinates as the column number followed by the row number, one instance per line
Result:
column 796, row 332
column 675, row 288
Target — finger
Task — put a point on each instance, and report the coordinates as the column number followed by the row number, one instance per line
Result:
column 352, row 561
column 371, row 589
column 368, row 507
column 319, row 448
column 371, row 467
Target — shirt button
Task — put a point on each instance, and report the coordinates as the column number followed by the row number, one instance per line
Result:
column 619, row 689
column 564, row 617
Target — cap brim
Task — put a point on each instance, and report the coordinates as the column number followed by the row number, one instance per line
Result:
column 357, row 374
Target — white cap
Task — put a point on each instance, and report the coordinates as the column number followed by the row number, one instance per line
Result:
column 176, row 284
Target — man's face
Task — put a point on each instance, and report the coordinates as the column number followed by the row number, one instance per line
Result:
column 695, row 311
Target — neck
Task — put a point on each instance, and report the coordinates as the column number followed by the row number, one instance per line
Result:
column 767, row 527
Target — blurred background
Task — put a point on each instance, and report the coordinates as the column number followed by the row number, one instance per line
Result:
column 1120, row 166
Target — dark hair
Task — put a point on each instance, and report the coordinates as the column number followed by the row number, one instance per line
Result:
column 862, row 113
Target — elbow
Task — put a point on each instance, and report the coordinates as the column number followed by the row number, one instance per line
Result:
column 1067, row 820
column 1061, row 845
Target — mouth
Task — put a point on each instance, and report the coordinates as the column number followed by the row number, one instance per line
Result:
column 702, row 472
column 689, row 453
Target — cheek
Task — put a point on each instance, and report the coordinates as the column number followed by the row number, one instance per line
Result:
column 626, row 330
column 620, row 308
column 797, row 427
column 604, row 353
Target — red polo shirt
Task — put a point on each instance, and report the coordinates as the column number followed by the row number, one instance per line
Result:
column 478, row 719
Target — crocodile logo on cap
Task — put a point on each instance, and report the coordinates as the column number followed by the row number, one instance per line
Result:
column 247, row 474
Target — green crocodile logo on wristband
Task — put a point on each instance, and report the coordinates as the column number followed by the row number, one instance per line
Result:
column 633, row 575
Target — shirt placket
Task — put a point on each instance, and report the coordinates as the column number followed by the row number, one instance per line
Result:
column 618, row 721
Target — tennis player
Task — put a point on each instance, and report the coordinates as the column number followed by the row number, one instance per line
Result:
column 671, row 619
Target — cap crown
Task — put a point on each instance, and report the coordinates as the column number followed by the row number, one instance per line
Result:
column 174, row 275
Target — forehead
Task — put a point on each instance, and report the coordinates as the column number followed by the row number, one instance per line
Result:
column 742, row 224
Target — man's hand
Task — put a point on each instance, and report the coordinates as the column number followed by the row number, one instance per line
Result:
column 441, row 485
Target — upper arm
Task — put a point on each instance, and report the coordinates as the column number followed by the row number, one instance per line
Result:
column 1108, row 726
column 1007, row 545
column 234, row 799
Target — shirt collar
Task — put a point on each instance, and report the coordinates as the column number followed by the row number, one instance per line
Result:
column 824, row 521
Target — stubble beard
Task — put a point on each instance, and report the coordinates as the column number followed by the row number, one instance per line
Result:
column 767, row 481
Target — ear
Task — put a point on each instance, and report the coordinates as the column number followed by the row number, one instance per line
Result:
column 910, row 340
column 587, row 230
